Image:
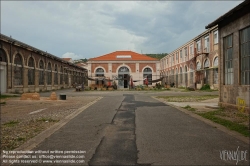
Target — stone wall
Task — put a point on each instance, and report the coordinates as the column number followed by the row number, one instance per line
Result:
column 235, row 94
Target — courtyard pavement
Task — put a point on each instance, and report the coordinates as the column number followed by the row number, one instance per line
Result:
column 132, row 128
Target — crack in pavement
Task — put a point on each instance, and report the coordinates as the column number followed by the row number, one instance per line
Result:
column 118, row 146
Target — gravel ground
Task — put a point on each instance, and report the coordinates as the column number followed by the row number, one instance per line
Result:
column 187, row 98
column 24, row 119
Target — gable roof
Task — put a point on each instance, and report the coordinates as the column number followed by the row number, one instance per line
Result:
column 123, row 56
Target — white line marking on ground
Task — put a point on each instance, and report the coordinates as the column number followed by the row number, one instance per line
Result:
column 37, row 111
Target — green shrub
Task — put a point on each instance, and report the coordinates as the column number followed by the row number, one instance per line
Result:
column 205, row 87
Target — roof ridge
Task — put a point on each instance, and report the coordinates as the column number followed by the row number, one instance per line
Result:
column 133, row 56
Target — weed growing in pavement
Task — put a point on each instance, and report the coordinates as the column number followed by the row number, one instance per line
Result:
column 11, row 123
column 21, row 139
column 44, row 119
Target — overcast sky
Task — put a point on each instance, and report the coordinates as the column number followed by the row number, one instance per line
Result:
column 84, row 29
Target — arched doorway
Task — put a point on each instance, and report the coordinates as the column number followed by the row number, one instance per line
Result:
column 99, row 72
column 147, row 73
column 3, row 71
column 123, row 75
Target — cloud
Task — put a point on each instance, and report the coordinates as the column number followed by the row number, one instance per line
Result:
column 94, row 28
column 71, row 55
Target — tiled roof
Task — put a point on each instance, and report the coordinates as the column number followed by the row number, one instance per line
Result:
column 67, row 59
column 123, row 56
column 81, row 64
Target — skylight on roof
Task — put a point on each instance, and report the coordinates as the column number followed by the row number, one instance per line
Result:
column 123, row 56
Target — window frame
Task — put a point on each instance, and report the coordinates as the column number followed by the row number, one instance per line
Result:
column 243, row 59
column 228, row 76
column 216, row 40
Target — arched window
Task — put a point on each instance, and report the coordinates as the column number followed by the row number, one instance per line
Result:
column 147, row 75
column 49, row 74
column 18, row 70
column 198, row 66
column 41, row 72
column 66, row 76
column 216, row 62
column 55, row 75
column 31, row 71
column 3, row 57
column 61, row 75
column 74, row 75
column 207, row 72
column 206, row 63
column 99, row 72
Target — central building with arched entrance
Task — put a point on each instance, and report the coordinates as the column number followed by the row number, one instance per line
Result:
column 125, row 68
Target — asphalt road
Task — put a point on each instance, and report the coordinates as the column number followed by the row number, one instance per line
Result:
column 131, row 128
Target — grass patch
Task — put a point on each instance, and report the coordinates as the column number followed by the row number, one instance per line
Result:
column 21, row 139
column 187, row 98
column 11, row 123
column 232, row 124
column 44, row 119
column 7, row 96
column 189, row 108
column 227, row 123
column 205, row 87
column 3, row 103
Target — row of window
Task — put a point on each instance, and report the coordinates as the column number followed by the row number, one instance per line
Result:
column 183, row 54
column 206, row 64
column 18, row 77
column 31, row 63
column 121, row 69
column 244, row 57
column 123, row 72
column 182, row 78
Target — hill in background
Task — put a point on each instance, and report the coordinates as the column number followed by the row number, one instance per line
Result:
column 157, row 56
